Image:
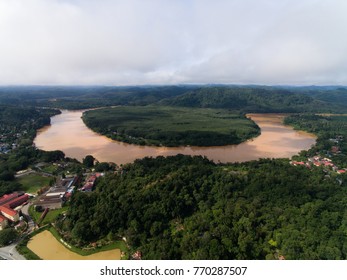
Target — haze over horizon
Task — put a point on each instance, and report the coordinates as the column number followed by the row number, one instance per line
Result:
column 134, row 42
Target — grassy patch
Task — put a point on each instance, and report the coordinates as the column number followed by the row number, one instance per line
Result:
column 33, row 182
column 50, row 169
column 50, row 217
column 171, row 126
column 33, row 214
column 53, row 214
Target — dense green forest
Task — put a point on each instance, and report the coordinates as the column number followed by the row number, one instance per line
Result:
column 171, row 126
column 190, row 208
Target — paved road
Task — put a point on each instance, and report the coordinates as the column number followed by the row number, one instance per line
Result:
column 25, row 211
column 10, row 252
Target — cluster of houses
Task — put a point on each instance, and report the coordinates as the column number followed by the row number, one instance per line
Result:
column 319, row 161
column 8, row 205
column 325, row 162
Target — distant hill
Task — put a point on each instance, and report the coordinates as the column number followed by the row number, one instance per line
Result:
column 261, row 99
column 250, row 98
column 83, row 97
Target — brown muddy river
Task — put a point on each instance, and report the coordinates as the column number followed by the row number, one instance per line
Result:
column 69, row 134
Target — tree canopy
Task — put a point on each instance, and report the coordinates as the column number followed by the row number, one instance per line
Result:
column 190, row 208
column 8, row 235
column 171, row 126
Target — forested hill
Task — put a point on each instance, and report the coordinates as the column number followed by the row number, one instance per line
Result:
column 259, row 100
column 190, row 208
column 83, row 97
column 242, row 98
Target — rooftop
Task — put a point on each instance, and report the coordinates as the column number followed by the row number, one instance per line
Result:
column 8, row 211
column 2, row 218
column 8, row 197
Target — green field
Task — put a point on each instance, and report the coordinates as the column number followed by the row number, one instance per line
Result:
column 50, row 169
column 33, row 182
column 171, row 126
column 50, row 217
column 53, row 214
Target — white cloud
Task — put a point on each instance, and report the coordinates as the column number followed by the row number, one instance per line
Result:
column 166, row 41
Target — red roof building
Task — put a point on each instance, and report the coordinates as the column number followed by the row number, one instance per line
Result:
column 8, row 197
column 91, row 179
column 90, row 182
column 10, row 201
column 9, row 213
column 87, row 187
column 18, row 201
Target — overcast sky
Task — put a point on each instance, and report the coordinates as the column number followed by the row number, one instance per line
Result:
column 127, row 42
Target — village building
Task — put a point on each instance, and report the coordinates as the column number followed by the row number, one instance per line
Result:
column 8, row 203
column 9, row 213
column 137, row 255
column 335, row 150
column 90, row 182
column 58, row 194
column 296, row 163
